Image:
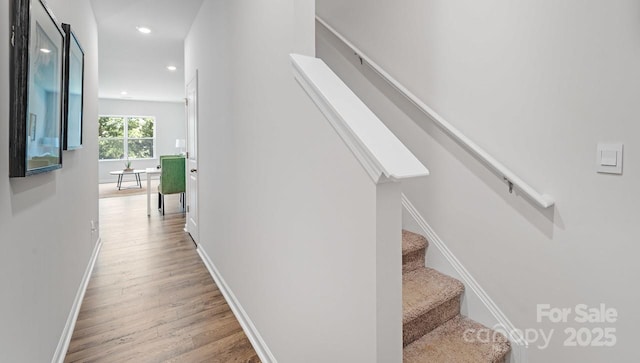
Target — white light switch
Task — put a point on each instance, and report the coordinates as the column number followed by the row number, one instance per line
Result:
column 609, row 158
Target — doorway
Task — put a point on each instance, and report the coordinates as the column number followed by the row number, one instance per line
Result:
column 192, row 159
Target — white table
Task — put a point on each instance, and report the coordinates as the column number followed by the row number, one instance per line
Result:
column 150, row 172
column 136, row 173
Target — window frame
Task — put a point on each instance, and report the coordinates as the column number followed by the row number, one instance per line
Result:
column 125, row 138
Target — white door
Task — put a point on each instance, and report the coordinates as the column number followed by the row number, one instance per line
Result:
column 192, row 158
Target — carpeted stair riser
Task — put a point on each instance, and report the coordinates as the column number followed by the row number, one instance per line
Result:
column 413, row 260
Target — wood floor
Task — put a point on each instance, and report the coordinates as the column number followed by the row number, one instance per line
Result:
column 110, row 190
column 150, row 298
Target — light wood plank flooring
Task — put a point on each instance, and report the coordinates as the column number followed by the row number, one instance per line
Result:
column 150, row 298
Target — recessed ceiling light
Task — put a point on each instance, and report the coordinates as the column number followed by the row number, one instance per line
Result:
column 143, row 30
column 171, row 68
column 45, row 50
column 124, row 93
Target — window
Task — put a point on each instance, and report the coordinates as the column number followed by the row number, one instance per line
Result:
column 126, row 137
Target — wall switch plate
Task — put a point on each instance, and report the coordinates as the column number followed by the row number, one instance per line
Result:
column 609, row 158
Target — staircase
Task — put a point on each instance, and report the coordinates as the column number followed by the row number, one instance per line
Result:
column 433, row 329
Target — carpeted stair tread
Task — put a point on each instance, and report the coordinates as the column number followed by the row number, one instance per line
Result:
column 413, row 251
column 429, row 299
column 412, row 242
column 447, row 344
column 426, row 288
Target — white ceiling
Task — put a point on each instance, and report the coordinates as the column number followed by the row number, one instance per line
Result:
column 134, row 62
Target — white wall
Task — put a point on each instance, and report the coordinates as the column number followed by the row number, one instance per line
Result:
column 170, row 125
column 537, row 84
column 45, row 231
column 286, row 212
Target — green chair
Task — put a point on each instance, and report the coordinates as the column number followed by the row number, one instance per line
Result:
column 172, row 179
column 167, row 157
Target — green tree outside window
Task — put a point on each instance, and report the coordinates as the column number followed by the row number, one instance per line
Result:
column 129, row 137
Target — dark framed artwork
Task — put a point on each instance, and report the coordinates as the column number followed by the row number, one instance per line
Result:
column 73, row 90
column 37, row 55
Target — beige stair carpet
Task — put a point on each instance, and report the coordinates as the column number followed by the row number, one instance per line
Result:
column 447, row 345
column 429, row 299
column 413, row 251
column 433, row 329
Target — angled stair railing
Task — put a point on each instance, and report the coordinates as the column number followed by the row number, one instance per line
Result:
column 512, row 180
column 379, row 151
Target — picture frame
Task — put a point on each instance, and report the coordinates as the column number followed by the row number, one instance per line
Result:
column 73, row 90
column 36, row 88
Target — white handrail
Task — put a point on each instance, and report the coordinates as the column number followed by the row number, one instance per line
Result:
column 510, row 178
column 380, row 152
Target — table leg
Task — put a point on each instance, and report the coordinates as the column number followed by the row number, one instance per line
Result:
column 138, row 181
column 119, row 181
column 148, row 195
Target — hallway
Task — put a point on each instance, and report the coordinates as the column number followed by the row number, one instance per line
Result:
column 150, row 298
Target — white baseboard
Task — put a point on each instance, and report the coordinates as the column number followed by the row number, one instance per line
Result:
column 249, row 328
column 67, row 332
column 477, row 304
